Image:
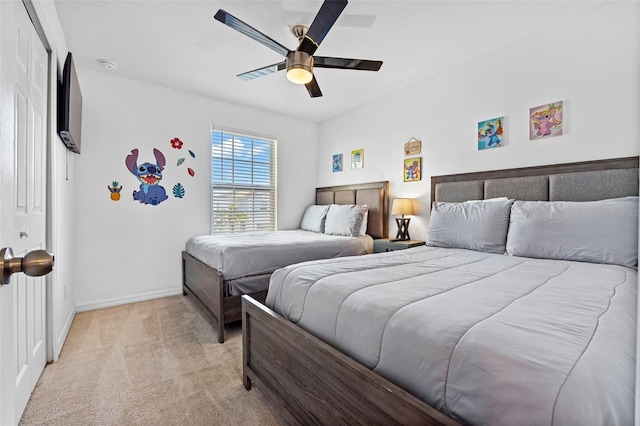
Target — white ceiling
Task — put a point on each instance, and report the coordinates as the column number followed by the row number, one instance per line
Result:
column 178, row 44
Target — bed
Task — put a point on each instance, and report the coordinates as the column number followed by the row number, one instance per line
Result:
column 216, row 274
column 311, row 381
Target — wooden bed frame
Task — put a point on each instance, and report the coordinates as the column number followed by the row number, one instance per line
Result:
column 310, row 382
column 206, row 284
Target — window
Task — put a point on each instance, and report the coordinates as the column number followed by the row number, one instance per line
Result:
column 243, row 184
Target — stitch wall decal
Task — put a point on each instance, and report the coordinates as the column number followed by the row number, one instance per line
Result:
column 178, row 190
column 149, row 175
column 114, row 189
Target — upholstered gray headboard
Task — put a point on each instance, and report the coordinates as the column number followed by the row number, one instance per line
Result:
column 375, row 195
column 585, row 181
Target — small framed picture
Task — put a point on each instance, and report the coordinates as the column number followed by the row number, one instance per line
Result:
column 357, row 158
column 412, row 169
column 337, row 163
column 413, row 147
column 545, row 121
column 491, row 133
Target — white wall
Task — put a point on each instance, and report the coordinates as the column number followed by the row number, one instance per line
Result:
column 62, row 228
column 591, row 63
column 128, row 251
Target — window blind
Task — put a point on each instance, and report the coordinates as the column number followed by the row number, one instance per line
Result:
column 243, row 188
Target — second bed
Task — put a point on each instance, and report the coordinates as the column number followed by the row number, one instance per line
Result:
column 219, row 269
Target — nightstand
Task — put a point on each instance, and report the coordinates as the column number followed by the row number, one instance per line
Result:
column 387, row 244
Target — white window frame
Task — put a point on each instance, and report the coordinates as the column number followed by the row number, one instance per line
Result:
column 235, row 204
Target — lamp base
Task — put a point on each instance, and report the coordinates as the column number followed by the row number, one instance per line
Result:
column 403, row 229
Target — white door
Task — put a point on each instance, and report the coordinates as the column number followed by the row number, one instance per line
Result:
column 23, row 119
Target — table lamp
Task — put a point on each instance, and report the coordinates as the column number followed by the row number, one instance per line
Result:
column 402, row 206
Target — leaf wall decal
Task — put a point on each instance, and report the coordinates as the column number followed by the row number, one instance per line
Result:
column 178, row 190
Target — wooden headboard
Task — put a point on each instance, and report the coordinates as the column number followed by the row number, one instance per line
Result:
column 584, row 181
column 375, row 195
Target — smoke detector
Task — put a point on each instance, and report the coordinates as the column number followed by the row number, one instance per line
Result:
column 108, row 65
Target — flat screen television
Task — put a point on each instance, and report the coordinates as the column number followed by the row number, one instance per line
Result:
column 70, row 107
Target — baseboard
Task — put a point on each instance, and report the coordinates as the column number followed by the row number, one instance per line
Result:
column 63, row 334
column 129, row 299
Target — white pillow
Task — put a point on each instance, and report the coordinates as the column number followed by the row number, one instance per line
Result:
column 365, row 223
column 344, row 220
column 313, row 219
column 480, row 225
column 603, row 231
column 487, row 199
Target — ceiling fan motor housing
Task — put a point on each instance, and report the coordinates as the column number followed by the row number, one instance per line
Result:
column 299, row 67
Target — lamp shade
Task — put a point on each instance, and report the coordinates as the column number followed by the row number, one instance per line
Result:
column 402, row 206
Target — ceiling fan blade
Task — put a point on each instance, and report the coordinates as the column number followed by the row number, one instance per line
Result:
column 326, row 17
column 346, row 63
column 270, row 69
column 313, row 88
column 246, row 29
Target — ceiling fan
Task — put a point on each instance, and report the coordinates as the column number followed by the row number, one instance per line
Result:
column 299, row 63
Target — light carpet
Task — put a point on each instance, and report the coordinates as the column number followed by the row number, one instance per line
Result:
column 150, row 363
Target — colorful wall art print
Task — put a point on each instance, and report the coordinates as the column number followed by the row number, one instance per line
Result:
column 337, row 163
column 412, row 169
column 491, row 133
column 149, row 175
column 545, row 121
column 357, row 158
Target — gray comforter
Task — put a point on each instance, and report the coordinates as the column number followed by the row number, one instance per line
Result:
column 262, row 252
column 485, row 338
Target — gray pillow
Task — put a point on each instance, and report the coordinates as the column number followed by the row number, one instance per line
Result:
column 603, row 231
column 314, row 218
column 480, row 226
column 344, row 220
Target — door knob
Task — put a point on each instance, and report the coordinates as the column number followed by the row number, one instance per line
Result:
column 34, row 264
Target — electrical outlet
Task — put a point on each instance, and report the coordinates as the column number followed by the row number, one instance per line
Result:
column 65, row 292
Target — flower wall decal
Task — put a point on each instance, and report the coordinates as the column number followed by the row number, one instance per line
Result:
column 176, row 143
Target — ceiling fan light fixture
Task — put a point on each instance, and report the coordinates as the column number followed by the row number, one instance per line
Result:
column 299, row 67
column 299, row 75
